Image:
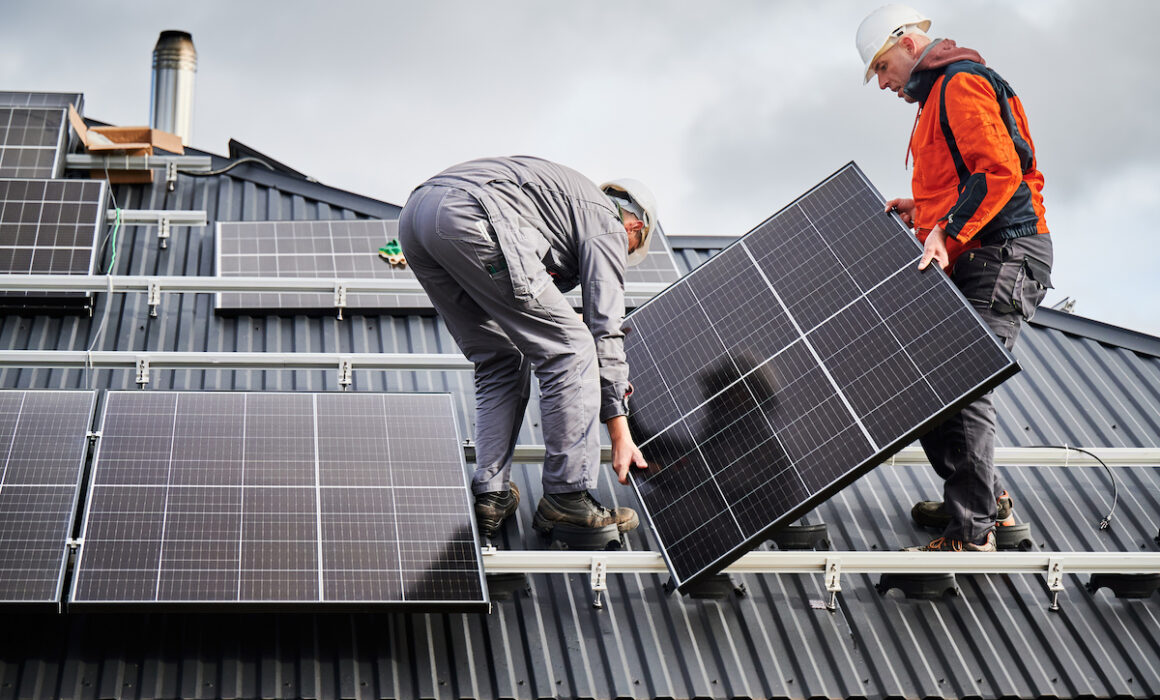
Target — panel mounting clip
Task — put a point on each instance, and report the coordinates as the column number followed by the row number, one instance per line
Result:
column 142, row 371
column 163, row 223
column 1054, row 582
column 340, row 298
column 345, row 370
column 93, row 436
column 154, row 297
column 74, row 542
column 598, row 577
column 833, row 577
column 171, row 175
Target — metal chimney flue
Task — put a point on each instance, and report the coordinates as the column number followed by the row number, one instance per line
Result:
column 174, row 65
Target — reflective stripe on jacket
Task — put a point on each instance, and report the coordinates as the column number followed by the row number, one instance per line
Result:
column 974, row 162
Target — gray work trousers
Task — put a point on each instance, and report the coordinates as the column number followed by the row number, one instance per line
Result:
column 1004, row 283
column 451, row 246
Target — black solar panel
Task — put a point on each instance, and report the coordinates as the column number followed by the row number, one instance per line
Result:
column 789, row 365
column 349, row 250
column 32, row 142
column 274, row 499
column 43, row 440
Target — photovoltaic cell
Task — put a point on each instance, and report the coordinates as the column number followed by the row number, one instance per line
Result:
column 789, row 365
column 43, row 440
column 348, row 249
column 276, row 499
column 49, row 227
column 32, row 142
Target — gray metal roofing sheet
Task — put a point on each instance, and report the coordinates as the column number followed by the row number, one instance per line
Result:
column 995, row 638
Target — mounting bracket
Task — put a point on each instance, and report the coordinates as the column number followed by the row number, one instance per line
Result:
column 1054, row 582
column 833, row 581
column 598, row 578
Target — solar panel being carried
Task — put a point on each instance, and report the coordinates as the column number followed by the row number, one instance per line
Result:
column 789, row 365
column 32, row 142
column 43, row 440
column 278, row 500
column 348, row 249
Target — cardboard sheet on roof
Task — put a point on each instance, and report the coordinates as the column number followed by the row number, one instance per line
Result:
column 123, row 140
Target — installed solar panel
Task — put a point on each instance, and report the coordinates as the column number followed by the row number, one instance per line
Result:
column 349, row 250
column 43, row 440
column 327, row 249
column 49, row 227
column 273, row 499
column 32, row 142
column 789, row 365
column 42, row 99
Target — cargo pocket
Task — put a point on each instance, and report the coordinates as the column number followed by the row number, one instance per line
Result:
column 1031, row 285
column 976, row 274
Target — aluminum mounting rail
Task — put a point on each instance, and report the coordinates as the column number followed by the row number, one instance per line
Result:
column 189, row 164
column 144, row 361
column 914, row 456
column 832, row 565
column 163, row 219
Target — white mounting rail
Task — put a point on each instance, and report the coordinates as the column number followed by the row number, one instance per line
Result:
column 142, row 283
column 176, row 217
column 189, row 164
column 557, row 562
column 914, row 456
column 126, row 359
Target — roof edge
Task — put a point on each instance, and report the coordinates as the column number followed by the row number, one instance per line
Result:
column 1099, row 331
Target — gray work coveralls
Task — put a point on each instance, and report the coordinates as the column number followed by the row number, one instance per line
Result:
column 495, row 243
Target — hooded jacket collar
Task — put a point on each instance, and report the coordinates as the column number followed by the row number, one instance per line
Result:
column 931, row 62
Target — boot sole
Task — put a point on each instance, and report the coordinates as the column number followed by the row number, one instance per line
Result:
column 544, row 525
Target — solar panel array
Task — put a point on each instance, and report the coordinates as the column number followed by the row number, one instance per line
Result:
column 43, row 440
column 49, row 227
column 32, row 142
column 790, row 364
column 278, row 499
column 348, row 249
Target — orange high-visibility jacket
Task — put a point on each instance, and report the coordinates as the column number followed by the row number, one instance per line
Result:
column 974, row 162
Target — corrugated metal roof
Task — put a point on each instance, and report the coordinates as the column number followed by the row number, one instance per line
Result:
column 995, row 638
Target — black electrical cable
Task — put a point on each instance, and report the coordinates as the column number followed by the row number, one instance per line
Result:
column 231, row 166
column 1106, row 522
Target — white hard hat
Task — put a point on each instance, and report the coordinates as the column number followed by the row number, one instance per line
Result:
column 882, row 28
column 632, row 196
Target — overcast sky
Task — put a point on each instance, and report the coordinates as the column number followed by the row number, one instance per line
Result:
column 728, row 109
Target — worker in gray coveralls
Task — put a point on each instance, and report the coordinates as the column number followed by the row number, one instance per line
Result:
column 495, row 243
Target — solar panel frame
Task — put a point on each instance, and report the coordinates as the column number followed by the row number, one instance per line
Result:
column 33, row 142
column 38, row 508
column 721, row 411
column 9, row 98
column 253, row 510
column 50, row 227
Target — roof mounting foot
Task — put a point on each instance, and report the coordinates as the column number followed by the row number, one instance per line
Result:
column 154, row 297
column 171, row 175
column 1054, row 582
column 833, row 582
column 598, row 578
column 142, row 372
column 345, row 370
column 340, row 298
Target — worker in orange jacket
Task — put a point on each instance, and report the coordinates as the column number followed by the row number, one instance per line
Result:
column 978, row 209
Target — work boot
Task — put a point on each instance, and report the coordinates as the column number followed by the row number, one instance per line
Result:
column 580, row 509
column 946, row 544
column 933, row 514
column 493, row 507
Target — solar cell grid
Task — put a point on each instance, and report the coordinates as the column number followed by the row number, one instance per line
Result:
column 349, row 250
column 790, row 364
column 278, row 499
column 49, row 227
column 43, row 440
column 32, row 142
